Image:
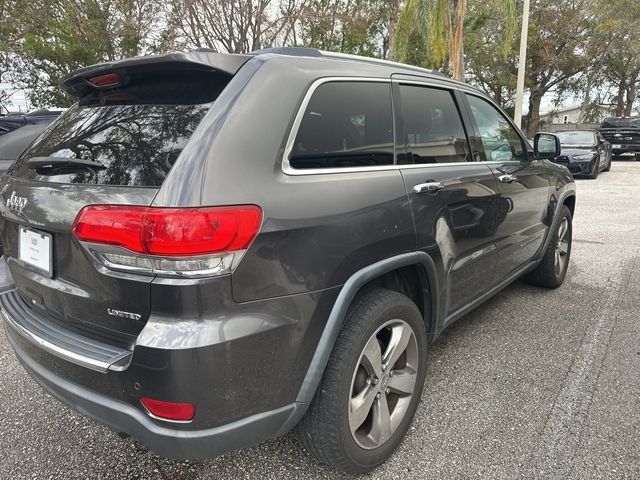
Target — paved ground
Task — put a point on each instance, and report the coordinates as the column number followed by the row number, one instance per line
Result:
column 532, row 384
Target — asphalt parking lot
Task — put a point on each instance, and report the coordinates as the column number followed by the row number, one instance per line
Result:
column 534, row 383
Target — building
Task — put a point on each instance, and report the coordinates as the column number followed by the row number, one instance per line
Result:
column 574, row 114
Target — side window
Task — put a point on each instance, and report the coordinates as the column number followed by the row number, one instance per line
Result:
column 345, row 124
column 432, row 126
column 500, row 140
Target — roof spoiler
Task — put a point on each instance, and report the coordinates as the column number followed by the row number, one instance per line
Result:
column 78, row 83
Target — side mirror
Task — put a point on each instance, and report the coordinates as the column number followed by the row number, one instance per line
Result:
column 546, row 146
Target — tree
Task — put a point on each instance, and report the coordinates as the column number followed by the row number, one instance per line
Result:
column 234, row 26
column 558, row 36
column 63, row 35
column 615, row 50
column 348, row 26
column 8, row 37
column 488, row 63
column 444, row 22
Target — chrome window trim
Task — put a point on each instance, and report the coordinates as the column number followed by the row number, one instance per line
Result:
column 286, row 165
column 426, row 82
column 287, row 169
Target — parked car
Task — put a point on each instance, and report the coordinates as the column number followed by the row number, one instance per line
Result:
column 43, row 116
column 584, row 153
column 14, row 143
column 210, row 250
column 623, row 133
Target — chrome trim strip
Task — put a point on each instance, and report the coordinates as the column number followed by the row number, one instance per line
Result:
column 98, row 252
column 97, row 365
column 287, row 169
column 167, row 420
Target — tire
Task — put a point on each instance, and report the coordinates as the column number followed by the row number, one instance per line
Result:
column 549, row 274
column 325, row 429
column 596, row 170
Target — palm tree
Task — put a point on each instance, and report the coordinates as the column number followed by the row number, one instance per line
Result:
column 439, row 25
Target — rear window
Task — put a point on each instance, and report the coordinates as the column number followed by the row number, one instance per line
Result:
column 577, row 138
column 346, row 124
column 135, row 134
column 628, row 122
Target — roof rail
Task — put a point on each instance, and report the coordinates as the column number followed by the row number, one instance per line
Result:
column 312, row 52
column 293, row 51
column 381, row 61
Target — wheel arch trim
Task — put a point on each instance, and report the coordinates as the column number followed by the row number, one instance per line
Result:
column 556, row 216
column 345, row 297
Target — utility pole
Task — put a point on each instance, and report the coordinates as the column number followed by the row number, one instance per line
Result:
column 522, row 62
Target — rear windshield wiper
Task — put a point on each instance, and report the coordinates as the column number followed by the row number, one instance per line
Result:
column 49, row 164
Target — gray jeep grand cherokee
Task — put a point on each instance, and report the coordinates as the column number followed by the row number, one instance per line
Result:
column 210, row 250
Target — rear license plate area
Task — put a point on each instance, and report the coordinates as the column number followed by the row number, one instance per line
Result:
column 35, row 250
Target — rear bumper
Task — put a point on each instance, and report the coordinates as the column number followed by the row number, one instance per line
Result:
column 167, row 442
column 59, row 340
column 242, row 369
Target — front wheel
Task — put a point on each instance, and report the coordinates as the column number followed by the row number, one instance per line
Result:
column 372, row 384
column 608, row 167
column 553, row 268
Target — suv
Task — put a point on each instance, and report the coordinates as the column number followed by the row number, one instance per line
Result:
column 623, row 133
column 209, row 250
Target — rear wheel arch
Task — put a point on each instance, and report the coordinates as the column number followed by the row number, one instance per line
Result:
column 568, row 199
column 395, row 273
column 570, row 202
column 411, row 281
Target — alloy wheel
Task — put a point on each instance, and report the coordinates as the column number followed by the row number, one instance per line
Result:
column 383, row 384
column 562, row 246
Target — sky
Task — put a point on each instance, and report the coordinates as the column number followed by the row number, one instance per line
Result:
column 18, row 102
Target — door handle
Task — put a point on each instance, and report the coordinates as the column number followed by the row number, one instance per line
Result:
column 507, row 179
column 428, row 187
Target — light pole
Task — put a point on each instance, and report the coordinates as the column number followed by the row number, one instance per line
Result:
column 522, row 62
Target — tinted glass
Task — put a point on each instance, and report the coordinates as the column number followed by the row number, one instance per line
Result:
column 136, row 144
column 346, row 124
column 586, row 139
column 432, row 126
column 500, row 140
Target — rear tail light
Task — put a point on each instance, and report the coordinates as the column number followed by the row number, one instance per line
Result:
column 177, row 412
column 184, row 242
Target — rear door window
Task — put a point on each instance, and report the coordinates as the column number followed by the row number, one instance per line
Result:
column 346, row 124
column 432, row 126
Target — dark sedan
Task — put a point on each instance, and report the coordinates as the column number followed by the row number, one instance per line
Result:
column 584, row 153
column 9, row 123
column 14, row 143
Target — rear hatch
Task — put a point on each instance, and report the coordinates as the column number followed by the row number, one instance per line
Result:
column 621, row 131
column 115, row 146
